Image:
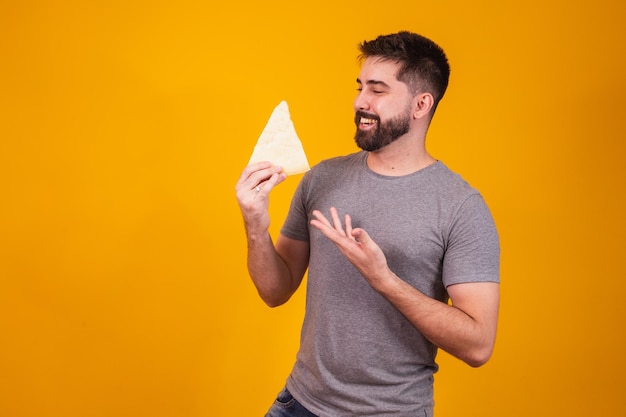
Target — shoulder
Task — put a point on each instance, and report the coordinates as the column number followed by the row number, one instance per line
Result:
column 336, row 167
column 449, row 178
column 449, row 185
column 342, row 162
column 457, row 200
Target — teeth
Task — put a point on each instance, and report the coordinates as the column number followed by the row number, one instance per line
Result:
column 367, row 121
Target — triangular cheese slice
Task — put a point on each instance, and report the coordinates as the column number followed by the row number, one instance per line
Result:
column 280, row 144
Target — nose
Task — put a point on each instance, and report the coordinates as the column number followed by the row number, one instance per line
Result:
column 361, row 102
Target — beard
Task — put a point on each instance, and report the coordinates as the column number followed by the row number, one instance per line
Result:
column 384, row 133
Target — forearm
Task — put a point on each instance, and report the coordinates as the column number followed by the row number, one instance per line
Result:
column 465, row 329
column 446, row 326
column 268, row 270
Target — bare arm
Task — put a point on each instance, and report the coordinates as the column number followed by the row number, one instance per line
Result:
column 275, row 270
column 465, row 329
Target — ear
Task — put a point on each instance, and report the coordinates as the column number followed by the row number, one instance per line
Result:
column 423, row 104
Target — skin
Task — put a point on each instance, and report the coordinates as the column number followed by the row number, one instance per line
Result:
column 466, row 328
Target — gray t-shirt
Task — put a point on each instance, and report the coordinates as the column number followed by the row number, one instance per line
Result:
column 358, row 355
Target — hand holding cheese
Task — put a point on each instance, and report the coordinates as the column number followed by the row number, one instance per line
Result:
column 280, row 144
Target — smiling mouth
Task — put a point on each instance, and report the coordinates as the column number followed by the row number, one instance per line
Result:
column 366, row 121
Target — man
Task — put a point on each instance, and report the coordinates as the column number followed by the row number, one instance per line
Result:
column 389, row 236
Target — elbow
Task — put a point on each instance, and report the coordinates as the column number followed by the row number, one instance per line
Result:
column 478, row 357
column 273, row 304
column 273, row 301
column 476, row 362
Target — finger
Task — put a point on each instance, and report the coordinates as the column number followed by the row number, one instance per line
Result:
column 348, row 221
column 250, row 170
column 360, row 235
column 247, row 182
column 336, row 221
column 256, row 174
column 265, row 187
column 321, row 218
column 259, row 165
column 277, row 178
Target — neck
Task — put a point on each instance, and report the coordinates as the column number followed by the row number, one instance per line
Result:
column 402, row 157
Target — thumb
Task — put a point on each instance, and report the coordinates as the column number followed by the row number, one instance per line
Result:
column 360, row 235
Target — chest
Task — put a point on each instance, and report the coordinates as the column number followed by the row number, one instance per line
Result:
column 407, row 220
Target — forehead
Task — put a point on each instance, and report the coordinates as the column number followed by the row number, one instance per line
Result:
column 377, row 69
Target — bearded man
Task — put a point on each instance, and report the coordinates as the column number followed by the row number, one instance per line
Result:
column 402, row 254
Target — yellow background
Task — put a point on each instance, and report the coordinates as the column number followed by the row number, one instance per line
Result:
column 124, row 126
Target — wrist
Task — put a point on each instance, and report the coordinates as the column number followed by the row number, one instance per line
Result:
column 386, row 282
column 257, row 235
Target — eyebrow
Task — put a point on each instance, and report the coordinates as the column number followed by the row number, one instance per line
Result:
column 373, row 82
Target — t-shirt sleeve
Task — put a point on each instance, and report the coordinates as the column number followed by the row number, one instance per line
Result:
column 473, row 249
column 296, row 225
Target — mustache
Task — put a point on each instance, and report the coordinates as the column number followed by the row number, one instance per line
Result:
column 361, row 114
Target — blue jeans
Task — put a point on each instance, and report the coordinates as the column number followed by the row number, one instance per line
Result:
column 287, row 406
